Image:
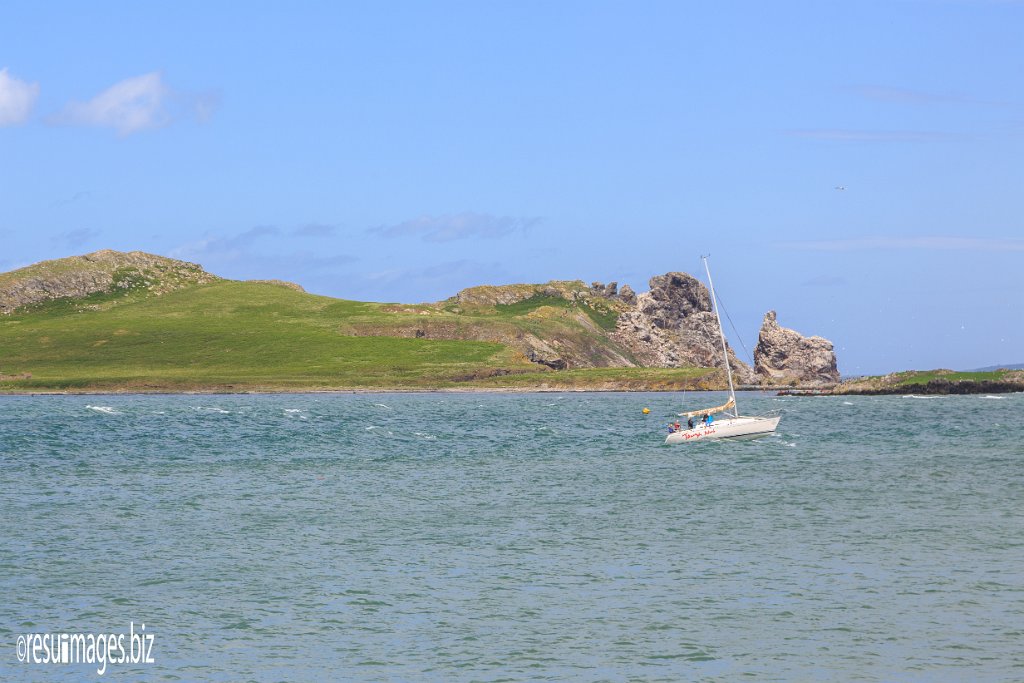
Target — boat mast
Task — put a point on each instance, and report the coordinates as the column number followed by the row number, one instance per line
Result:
column 721, row 331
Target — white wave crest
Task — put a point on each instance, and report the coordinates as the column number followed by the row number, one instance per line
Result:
column 106, row 410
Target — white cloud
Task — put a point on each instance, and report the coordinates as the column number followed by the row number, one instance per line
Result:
column 131, row 105
column 16, row 99
column 136, row 104
column 919, row 243
column 457, row 226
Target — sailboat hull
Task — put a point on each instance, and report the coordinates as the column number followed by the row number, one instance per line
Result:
column 742, row 427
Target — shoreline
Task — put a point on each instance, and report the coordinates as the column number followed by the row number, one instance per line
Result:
column 919, row 390
column 457, row 390
column 931, row 388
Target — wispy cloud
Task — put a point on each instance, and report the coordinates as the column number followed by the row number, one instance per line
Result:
column 17, row 98
column 229, row 247
column 428, row 283
column 136, row 104
column 296, row 264
column 457, row 226
column 247, row 237
column 76, row 238
column 852, row 135
column 239, row 245
column 73, row 199
column 927, row 243
column 879, row 93
column 245, row 255
column 315, row 230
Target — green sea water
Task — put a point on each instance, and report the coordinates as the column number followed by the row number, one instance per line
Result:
column 515, row 537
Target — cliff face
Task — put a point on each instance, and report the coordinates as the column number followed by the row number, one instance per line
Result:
column 783, row 355
column 100, row 271
column 674, row 325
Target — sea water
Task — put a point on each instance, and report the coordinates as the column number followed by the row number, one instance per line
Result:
column 514, row 537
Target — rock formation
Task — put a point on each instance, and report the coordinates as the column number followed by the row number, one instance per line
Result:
column 627, row 295
column 673, row 325
column 100, row 271
column 786, row 356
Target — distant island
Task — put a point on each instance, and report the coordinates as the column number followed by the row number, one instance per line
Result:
column 135, row 322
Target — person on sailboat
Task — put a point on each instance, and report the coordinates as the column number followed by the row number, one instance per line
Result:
column 689, row 423
column 711, row 418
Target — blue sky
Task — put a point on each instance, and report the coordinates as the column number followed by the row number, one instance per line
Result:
column 399, row 151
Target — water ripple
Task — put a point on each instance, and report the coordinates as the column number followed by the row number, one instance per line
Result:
column 516, row 537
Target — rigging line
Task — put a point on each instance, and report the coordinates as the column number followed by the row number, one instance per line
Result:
column 728, row 317
column 733, row 325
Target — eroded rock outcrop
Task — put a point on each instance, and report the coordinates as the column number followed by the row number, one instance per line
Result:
column 673, row 325
column 100, row 271
column 785, row 356
column 627, row 295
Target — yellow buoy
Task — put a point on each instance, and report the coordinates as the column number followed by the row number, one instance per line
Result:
column 647, row 411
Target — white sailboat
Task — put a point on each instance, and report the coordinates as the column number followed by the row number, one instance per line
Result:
column 731, row 425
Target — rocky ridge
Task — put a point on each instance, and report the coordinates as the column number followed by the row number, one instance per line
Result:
column 77, row 277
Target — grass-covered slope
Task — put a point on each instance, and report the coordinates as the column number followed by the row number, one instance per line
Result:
column 230, row 335
column 235, row 336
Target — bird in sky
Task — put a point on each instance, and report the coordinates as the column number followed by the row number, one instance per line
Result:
column 840, row 187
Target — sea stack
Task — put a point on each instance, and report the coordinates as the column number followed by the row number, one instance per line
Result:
column 784, row 356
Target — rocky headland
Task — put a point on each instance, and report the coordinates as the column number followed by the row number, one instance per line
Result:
column 557, row 327
column 671, row 325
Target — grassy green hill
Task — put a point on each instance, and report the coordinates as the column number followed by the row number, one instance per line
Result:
column 224, row 335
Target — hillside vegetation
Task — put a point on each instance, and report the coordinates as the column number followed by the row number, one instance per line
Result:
column 160, row 329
